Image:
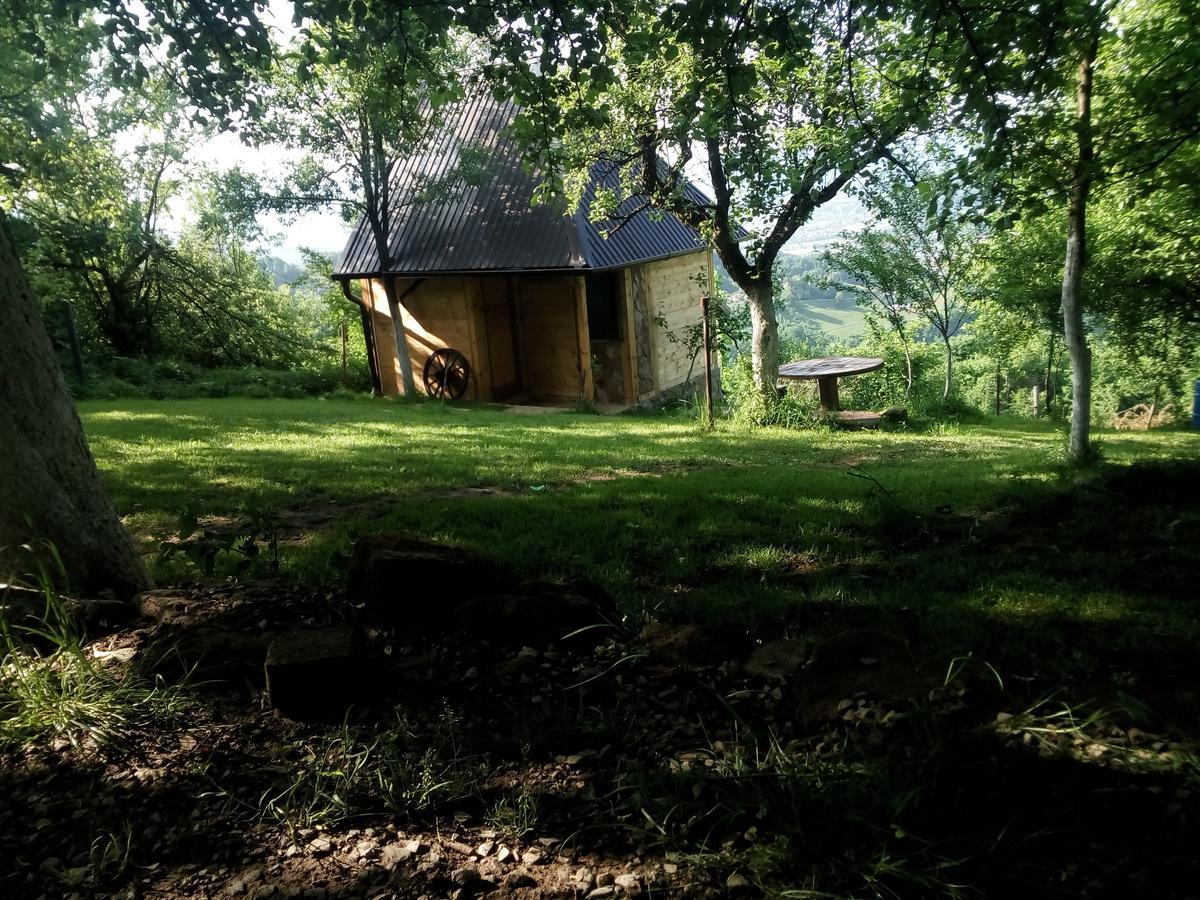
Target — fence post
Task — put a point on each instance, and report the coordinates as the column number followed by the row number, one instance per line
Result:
column 708, row 386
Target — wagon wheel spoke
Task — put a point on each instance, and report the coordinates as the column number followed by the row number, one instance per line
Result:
column 447, row 374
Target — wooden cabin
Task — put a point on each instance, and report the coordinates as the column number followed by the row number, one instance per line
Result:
column 542, row 306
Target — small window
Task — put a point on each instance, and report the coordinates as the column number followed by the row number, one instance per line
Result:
column 603, row 305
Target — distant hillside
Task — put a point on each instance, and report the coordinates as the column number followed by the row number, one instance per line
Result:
column 842, row 213
column 803, row 306
column 282, row 271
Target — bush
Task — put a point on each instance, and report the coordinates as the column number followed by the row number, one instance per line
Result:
column 119, row 377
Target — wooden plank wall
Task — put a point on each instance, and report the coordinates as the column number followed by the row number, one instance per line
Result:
column 440, row 312
column 549, row 334
column 675, row 295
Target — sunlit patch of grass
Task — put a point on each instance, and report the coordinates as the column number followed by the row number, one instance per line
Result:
column 52, row 687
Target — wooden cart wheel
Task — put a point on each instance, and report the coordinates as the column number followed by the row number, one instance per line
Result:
column 446, row 374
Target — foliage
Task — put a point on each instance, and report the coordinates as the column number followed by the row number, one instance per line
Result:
column 115, row 377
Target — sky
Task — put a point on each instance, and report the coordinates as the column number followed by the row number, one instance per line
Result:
column 324, row 230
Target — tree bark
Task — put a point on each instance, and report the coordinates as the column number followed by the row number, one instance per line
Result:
column 400, row 334
column 1080, row 354
column 50, row 489
column 764, row 340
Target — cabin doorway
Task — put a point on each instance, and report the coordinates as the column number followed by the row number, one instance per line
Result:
column 606, row 333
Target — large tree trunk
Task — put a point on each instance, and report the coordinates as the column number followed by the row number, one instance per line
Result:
column 764, row 339
column 400, row 333
column 49, row 487
column 1076, row 258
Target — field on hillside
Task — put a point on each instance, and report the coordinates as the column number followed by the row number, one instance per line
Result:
column 917, row 663
column 839, row 317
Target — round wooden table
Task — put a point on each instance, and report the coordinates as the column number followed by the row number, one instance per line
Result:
column 827, row 371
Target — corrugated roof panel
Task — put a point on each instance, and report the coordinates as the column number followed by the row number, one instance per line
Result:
column 492, row 225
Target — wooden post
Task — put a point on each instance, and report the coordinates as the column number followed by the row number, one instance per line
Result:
column 827, row 387
column 708, row 387
column 73, row 339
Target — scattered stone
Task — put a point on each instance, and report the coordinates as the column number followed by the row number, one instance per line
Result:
column 599, row 892
column 464, row 876
column 315, row 673
column 320, row 846
column 394, row 855
column 485, row 849
column 533, row 857
column 628, row 883
column 737, row 882
column 416, row 846
column 505, row 855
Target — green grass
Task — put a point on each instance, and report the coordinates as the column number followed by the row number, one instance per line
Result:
column 765, row 529
column 838, row 317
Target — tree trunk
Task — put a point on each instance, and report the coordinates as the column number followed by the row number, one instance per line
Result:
column 400, row 334
column 908, row 372
column 49, row 487
column 765, row 337
column 1076, row 257
column 949, row 370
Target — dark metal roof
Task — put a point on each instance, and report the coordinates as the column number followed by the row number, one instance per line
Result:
column 490, row 225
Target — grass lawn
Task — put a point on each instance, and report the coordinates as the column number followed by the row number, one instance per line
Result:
column 1003, row 699
column 768, row 530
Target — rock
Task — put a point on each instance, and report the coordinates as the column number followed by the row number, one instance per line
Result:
column 320, row 845
column 781, row 658
column 583, row 875
column 533, row 857
column 464, row 876
column 599, row 892
column 505, row 855
column 628, row 883
column 167, row 607
column 691, row 644
column 415, row 846
column 315, row 673
column 541, row 614
column 394, row 855
column 737, row 882
column 604, row 879
column 485, row 849
column 418, row 585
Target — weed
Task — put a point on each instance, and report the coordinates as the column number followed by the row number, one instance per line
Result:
column 356, row 773
column 516, row 814
column 63, row 691
column 253, row 542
